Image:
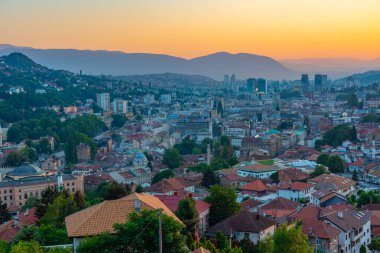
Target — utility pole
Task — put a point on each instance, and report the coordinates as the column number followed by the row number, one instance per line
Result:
column 160, row 228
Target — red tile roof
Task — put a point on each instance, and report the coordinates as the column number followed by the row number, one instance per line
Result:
column 316, row 228
column 257, row 186
column 280, row 203
column 296, row 186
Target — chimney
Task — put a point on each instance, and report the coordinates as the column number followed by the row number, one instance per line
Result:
column 137, row 205
column 310, row 231
column 340, row 214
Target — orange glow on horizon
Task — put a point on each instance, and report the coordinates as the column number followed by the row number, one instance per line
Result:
column 280, row 29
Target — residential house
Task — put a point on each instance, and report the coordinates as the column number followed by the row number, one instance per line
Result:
column 296, row 191
column 255, row 188
column 292, row 175
column 244, row 225
column 279, row 209
column 256, row 170
column 10, row 229
column 327, row 198
column 203, row 208
column 170, row 186
column 332, row 182
column 102, row 217
column 354, row 227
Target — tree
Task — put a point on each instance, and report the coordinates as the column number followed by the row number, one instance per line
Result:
column 44, row 146
column 353, row 134
column 323, row 159
column 221, row 241
column 188, row 214
column 223, row 203
column 4, row 247
column 27, row 247
column 370, row 197
column 30, row 203
column 335, row 164
column 139, row 234
column 172, row 158
column 17, row 158
column 115, row 191
column 374, row 245
column 44, row 235
column 363, row 249
column 139, row 189
column 247, row 246
column 274, row 177
column 352, row 100
column 4, row 215
column 47, row 197
column 56, row 212
column 79, row 200
column 355, row 176
column 163, row 175
column 74, row 140
column 118, row 120
column 209, row 178
column 286, row 240
column 319, row 170
column 116, row 138
column 102, row 243
column 266, row 245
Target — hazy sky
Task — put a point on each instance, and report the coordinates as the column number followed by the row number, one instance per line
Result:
column 188, row 28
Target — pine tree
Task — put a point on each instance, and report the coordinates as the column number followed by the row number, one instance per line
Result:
column 4, row 215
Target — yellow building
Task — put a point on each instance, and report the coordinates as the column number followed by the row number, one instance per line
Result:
column 29, row 181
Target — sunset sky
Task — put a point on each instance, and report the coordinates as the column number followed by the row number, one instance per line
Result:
column 189, row 28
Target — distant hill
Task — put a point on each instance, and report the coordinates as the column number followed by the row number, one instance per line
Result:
column 18, row 69
column 170, row 79
column 334, row 67
column 21, row 62
column 121, row 64
column 365, row 78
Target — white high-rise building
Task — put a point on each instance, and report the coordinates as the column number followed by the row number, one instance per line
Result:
column 103, row 101
column 119, row 105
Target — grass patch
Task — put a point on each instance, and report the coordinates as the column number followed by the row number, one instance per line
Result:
column 266, row 162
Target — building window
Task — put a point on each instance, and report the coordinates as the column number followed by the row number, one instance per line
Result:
column 72, row 183
column 73, row 189
column 5, row 198
column 10, row 197
column 19, row 197
column 10, row 191
column 25, row 195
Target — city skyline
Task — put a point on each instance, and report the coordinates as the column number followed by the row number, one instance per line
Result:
column 280, row 29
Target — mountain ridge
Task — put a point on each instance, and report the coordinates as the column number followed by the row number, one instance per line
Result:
column 215, row 65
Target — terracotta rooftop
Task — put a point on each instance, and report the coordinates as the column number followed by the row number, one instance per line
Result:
column 257, row 167
column 250, row 203
column 243, row 221
column 257, row 186
column 316, row 228
column 168, row 185
column 280, row 203
column 296, row 186
column 349, row 219
column 100, row 218
column 331, row 181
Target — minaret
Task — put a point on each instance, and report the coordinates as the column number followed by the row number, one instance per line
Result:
column 60, row 181
column 208, row 155
column 1, row 136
